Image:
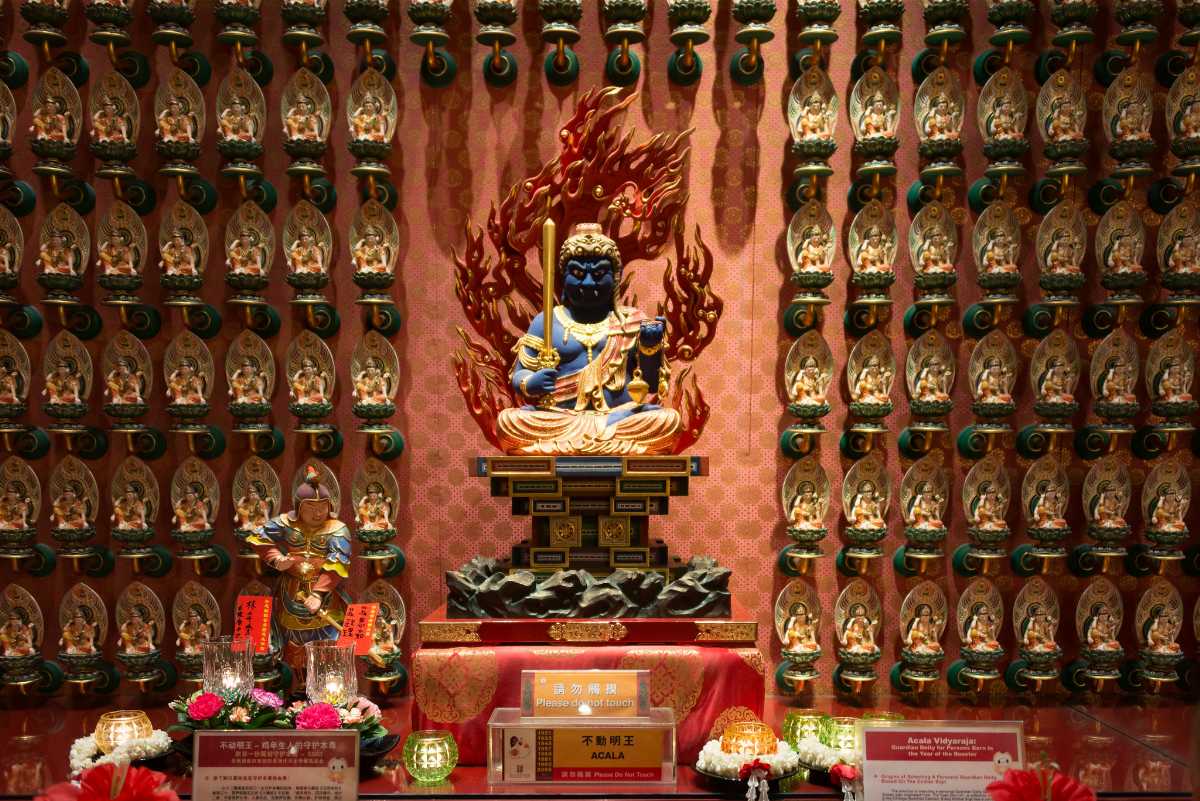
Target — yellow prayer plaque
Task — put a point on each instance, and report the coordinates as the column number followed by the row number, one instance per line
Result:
column 585, row 693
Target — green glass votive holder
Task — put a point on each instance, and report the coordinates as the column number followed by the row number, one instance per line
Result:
column 430, row 755
column 798, row 725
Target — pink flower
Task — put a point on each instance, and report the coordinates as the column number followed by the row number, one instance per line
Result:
column 266, row 698
column 352, row 716
column 239, row 714
column 205, row 706
column 367, row 708
column 319, row 716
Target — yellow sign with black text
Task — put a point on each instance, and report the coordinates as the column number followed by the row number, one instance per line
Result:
column 576, row 754
column 585, row 693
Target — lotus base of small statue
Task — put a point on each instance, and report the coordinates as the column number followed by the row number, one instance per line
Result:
column 1061, row 283
column 934, row 409
column 18, row 542
column 65, row 411
column 243, row 413
column 1161, row 667
column 194, row 544
column 73, row 540
column 178, row 151
column 873, row 282
column 191, row 666
column 368, row 150
column 993, row 410
column 862, row 540
column 856, row 665
column 814, row 149
column 1109, row 537
column 874, row 12
column 126, row 411
column 1048, row 537
column 1041, row 665
column 1103, row 664
column 1175, row 410
column 311, row 412
column 134, row 541
column 982, row 665
column 82, row 668
column 1165, row 540
column 920, row 668
column 374, row 411
column 20, row 671
column 809, row 411
column 987, row 538
column 940, row 150
column 936, row 282
column 375, row 542
column 870, row 410
column 1110, row 410
column 811, row 279
column 1073, row 12
column 187, row 411
column 924, row 540
column 801, row 665
column 243, row 282
column 1124, row 282
column 1000, row 150
column 806, row 537
column 374, row 280
column 141, row 667
column 1056, row 410
column 1067, row 149
column 998, row 281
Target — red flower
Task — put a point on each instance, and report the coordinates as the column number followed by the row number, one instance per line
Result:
column 319, row 716
column 1026, row 785
column 113, row 783
column 205, row 706
column 750, row 767
column 842, row 772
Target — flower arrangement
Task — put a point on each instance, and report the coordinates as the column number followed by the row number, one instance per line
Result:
column 715, row 762
column 816, row 755
column 260, row 709
column 85, row 752
column 113, row 782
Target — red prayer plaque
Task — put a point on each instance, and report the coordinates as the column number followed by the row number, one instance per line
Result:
column 358, row 627
column 252, row 622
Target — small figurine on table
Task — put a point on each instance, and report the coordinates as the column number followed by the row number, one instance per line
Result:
column 310, row 547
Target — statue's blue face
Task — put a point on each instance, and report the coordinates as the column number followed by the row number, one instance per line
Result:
column 588, row 282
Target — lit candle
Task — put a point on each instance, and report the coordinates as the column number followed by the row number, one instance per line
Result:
column 120, row 727
column 335, row 689
column 229, row 680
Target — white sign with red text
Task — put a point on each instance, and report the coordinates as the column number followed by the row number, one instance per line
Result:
column 937, row 760
column 275, row 765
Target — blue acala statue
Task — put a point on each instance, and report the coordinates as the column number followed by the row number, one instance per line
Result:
column 588, row 387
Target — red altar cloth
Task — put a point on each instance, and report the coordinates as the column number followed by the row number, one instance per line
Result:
column 457, row 688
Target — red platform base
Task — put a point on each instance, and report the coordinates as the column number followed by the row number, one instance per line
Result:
column 739, row 629
column 457, row 688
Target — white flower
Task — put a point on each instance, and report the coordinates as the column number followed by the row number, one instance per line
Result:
column 718, row 763
column 86, row 754
column 815, row 754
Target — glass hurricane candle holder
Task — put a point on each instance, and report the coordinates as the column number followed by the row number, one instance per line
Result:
column 331, row 672
column 121, row 726
column 748, row 739
column 228, row 665
column 430, row 755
